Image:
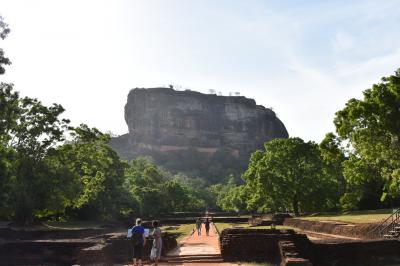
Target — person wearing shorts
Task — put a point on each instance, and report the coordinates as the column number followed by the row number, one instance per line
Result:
column 138, row 249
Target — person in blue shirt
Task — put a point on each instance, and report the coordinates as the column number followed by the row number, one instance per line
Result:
column 138, row 249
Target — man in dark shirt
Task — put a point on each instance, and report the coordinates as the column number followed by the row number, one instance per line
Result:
column 207, row 225
column 138, row 249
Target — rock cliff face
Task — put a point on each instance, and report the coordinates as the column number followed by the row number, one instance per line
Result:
column 164, row 120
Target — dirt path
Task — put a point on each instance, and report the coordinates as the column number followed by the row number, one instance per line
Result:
column 197, row 250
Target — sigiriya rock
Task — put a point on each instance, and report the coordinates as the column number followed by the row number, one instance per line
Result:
column 163, row 120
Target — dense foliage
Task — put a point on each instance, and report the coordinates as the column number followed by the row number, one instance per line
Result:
column 372, row 128
column 289, row 174
column 357, row 169
column 215, row 168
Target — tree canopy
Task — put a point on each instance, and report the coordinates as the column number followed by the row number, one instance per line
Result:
column 288, row 174
column 372, row 128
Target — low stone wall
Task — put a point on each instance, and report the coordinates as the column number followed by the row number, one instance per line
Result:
column 103, row 250
column 29, row 252
column 121, row 248
column 99, row 254
column 10, row 234
column 357, row 253
column 362, row 231
column 257, row 244
column 230, row 219
column 286, row 248
column 290, row 254
column 192, row 220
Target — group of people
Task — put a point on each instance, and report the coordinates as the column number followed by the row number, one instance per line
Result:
column 139, row 231
column 139, row 239
column 206, row 225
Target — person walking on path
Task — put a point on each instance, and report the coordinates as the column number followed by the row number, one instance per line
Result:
column 155, row 253
column 207, row 225
column 138, row 241
column 198, row 226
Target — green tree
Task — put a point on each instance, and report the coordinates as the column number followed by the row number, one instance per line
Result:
column 4, row 31
column 98, row 173
column 363, row 188
column 38, row 175
column 144, row 182
column 333, row 155
column 8, row 119
column 231, row 197
column 289, row 174
column 372, row 127
column 9, row 108
column 30, row 138
column 175, row 196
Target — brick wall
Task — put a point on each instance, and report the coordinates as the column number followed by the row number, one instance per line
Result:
column 256, row 244
column 352, row 230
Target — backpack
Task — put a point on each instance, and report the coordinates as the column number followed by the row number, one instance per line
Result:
column 136, row 237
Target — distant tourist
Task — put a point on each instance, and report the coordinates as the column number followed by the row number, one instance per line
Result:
column 207, row 224
column 155, row 253
column 198, row 226
column 138, row 241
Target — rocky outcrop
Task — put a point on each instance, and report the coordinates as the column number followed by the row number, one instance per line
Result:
column 165, row 120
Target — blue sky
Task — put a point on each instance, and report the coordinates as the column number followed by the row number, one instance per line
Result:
column 304, row 59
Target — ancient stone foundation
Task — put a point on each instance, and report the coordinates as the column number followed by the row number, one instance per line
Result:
column 363, row 231
column 259, row 244
column 97, row 249
column 357, row 253
column 286, row 248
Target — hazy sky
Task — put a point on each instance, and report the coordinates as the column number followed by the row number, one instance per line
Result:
column 304, row 59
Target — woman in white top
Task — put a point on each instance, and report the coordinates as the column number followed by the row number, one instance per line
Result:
column 157, row 243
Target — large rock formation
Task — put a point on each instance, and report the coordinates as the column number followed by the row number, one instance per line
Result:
column 162, row 120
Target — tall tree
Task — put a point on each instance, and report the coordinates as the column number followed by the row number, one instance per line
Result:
column 98, row 173
column 333, row 155
column 4, row 31
column 144, row 182
column 30, row 137
column 231, row 197
column 372, row 127
column 289, row 174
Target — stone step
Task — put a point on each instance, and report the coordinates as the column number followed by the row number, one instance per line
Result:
column 196, row 261
column 32, row 260
column 388, row 236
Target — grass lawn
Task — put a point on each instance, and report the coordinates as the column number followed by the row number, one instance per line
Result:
column 371, row 216
column 222, row 226
column 182, row 230
column 72, row 225
column 49, row 226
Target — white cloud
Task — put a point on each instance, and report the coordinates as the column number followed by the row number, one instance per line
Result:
column 343, row 42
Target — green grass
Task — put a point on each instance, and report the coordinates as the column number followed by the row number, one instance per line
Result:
column 72, row 225
column 222, row 226
column 182, row 231
column 371, row 216
column 50, row 226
